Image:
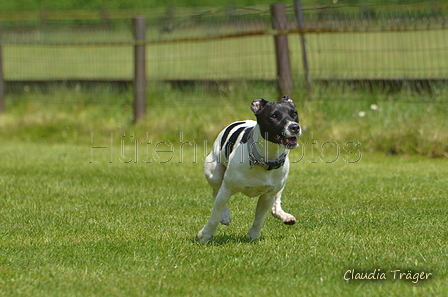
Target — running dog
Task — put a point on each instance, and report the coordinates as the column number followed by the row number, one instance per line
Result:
column 252, row 157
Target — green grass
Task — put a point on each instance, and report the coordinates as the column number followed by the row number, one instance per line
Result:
column 74, row 228
column 404, row 122
column 76, row 220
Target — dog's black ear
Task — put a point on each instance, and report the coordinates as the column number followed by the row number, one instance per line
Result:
column 258, row 105
column 289, row 100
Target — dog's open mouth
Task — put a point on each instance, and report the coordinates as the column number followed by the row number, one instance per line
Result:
column 289, row 142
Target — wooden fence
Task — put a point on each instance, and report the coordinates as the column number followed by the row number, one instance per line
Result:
column 282, row 27
column 280, row 31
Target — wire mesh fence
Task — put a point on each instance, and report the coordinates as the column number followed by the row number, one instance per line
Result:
column 343, row 42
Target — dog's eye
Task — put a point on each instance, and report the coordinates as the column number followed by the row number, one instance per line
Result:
column 274, row 115
column 294, row 113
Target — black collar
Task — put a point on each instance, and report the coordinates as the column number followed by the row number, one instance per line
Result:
column 256, row 159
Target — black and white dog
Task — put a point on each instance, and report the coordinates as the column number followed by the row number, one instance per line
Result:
column 252, row 157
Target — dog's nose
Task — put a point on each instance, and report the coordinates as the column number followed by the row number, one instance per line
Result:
column 295, row 128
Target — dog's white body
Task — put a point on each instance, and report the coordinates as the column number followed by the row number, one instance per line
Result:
column 229, row 171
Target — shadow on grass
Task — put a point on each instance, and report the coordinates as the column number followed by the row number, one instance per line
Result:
column 223, row 239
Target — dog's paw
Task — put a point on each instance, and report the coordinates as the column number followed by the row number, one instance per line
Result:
column 286, row 218
column 253, row 234
column 203, row 237
column 225, row 217
column 290, row 220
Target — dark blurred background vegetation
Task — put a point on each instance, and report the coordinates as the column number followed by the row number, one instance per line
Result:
column 13, row 5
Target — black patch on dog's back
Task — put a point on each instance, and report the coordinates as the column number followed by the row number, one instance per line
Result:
column 227, row 131
column 246, row 134
column 231, row 143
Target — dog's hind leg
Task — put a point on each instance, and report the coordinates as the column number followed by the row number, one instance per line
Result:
column 263, row 206
column 278, row 212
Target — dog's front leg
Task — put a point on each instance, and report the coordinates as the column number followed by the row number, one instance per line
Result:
column 278, row 212
column 219, row 205
column 225, row 216
column 263, row 206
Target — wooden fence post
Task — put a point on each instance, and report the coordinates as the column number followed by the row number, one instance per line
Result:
column 301, row 23
column 44, row 15
column 280, row 22
column 139, row 68
column 105, row 19
column 2, row 79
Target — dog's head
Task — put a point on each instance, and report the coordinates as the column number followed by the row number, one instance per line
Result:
column 278, row 121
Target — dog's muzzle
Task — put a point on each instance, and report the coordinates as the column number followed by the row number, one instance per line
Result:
column 289, row 137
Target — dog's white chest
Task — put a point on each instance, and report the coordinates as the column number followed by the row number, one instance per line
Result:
column 252, row 191
column 256, row 181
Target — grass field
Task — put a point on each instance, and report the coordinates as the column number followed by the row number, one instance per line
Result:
column 92, row 206
column 74, row 228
